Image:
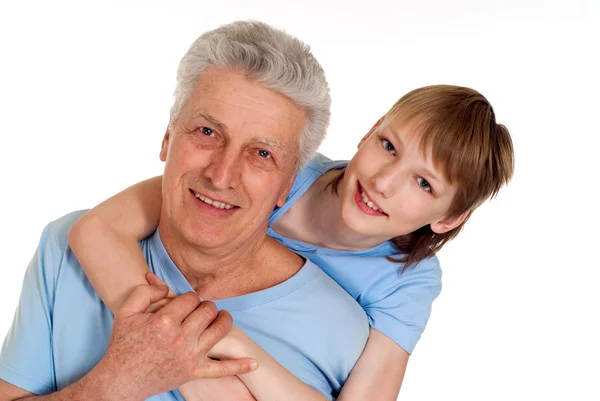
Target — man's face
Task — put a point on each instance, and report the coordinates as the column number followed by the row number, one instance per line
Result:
column 230, row 159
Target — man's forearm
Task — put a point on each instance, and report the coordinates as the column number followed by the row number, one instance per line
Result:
column 74, row 392
column 92, row 387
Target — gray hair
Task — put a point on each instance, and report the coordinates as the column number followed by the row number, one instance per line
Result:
column 269, row 56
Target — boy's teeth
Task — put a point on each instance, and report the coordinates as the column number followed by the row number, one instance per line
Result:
column 368, row 201
column 217, row 204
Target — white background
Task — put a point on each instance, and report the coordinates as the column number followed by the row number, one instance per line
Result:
column 85, row 95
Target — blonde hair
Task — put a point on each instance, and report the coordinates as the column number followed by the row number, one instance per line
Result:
column 457, row 127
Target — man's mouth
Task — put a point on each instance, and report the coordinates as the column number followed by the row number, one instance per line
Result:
column 214, row 203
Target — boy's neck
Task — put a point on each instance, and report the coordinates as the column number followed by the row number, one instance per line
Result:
column 323, row 225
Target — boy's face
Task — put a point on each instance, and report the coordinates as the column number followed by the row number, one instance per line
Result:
column 391, row 188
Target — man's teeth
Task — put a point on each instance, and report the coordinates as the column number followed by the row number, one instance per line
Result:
column 368, row 201
column 217, row 204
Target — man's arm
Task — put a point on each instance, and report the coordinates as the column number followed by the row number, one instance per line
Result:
column 74, row 392
column 151, row 353
column 148, row 353
column 8, row 392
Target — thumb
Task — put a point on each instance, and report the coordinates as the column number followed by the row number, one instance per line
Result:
column 141, row 298
column 231, row 367
column 153, row 279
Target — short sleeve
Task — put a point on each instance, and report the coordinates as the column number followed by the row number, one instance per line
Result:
column 26, row 357
column 399, row 304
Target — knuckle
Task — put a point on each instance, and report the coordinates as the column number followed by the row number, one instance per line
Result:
column 163, row 321
column 218, row 330
column 223, row 369
column 178, row 341
column 208, row 310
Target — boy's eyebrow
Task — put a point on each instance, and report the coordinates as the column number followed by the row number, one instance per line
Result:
column 427, row 172
column 435, row 177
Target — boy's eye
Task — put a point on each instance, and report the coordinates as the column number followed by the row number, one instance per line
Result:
column 207, row 131
column 424, row 184
column 387, row 145
column 263, row 153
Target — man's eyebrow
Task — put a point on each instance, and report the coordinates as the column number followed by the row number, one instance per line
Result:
column 270, row 142
column 212, row 120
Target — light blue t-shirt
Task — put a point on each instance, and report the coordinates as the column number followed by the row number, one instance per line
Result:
column 61, row 327
column 398, row 305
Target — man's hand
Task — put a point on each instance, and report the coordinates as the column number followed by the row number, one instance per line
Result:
column 234, row 345
column 151, row 353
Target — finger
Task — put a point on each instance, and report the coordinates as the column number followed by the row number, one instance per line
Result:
column 197, row 321
column 153, row 279
column 218, row 329
column 156, row 306
column 230, row 367
column 141, row 298
column 180, row 307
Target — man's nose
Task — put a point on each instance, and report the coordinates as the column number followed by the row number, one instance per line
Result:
column 224, row 169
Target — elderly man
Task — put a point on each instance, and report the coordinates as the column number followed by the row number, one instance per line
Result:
column 251, row 106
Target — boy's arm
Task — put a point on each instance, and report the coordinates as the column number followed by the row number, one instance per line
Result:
column 271, row 381
column 105, row 240
column 378, row 374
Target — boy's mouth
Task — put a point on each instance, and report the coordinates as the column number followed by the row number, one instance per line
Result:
column 365, row 202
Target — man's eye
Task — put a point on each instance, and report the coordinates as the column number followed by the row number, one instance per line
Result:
column 387, row 145
column 207, row 131
column 263, row 153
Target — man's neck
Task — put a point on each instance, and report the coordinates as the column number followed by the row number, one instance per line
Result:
column 216, row 274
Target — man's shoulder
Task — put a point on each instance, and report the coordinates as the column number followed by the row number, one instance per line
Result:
column 326, row 294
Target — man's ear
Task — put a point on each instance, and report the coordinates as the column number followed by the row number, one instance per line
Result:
column 446, row 224
column 377, row 124
column 286, row 191
column 165, row 145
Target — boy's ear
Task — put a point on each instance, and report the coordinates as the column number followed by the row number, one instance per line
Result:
column 377, row 124
column 165, row 146
column 446, row 224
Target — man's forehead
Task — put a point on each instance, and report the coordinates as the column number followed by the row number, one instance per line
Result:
column 216, row 85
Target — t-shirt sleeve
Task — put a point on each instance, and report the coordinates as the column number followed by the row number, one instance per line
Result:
column 399, row 304
column 26, row 357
